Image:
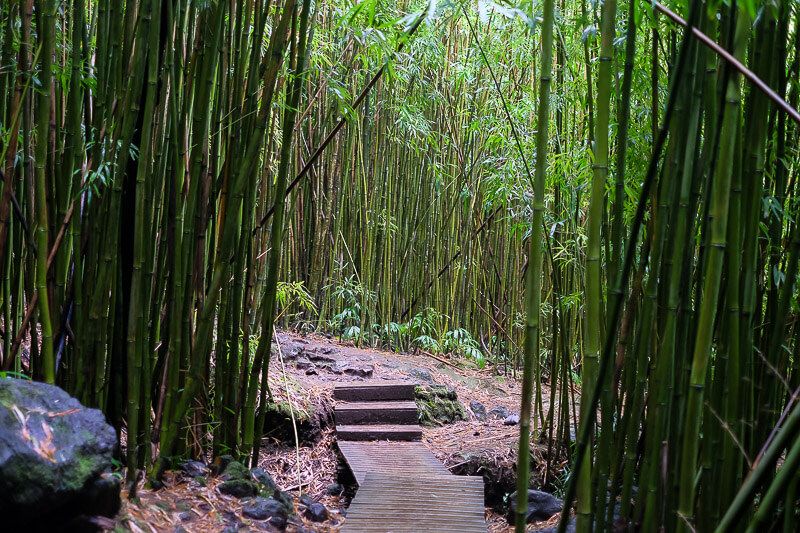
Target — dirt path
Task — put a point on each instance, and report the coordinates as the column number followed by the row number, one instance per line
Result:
column 303, row 375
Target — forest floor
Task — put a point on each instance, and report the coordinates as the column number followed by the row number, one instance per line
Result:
column 303, row 377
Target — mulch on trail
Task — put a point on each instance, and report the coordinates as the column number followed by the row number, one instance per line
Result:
column 184, row 505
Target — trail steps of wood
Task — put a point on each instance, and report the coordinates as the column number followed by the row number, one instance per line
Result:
column 402, row 487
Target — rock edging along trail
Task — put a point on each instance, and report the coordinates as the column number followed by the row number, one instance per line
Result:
column 402, row 487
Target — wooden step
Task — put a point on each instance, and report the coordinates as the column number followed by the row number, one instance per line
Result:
column 393, row 432
column 377, row 391
column 397, row 412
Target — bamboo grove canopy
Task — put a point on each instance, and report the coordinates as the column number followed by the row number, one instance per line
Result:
column 596, row 196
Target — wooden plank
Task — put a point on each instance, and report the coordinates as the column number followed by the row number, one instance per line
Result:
column 402, row 487
column 393, row 432
column 400, row 504
column 394, row 412
column 391, row 458
column 374, row 391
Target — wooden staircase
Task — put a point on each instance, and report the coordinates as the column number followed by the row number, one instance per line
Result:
column 376, row 411
column 402, row 487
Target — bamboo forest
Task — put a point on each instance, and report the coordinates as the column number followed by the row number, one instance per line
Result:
column 235, row 234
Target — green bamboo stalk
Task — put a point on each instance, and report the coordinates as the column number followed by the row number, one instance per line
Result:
column 594, row 313
column 250, row 386
column 138, row 369
column 533, row 281
column 586, row 424
column 276, row 232
column 731, row 468
column 777, row 489
column 718, row 212
column 47, row 11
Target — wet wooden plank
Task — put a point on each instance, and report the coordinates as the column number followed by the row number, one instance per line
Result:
column 391, row 458
column 388, row 412
column 437, row 504
column 394, row 432
column 374, row 391
column 402, row 487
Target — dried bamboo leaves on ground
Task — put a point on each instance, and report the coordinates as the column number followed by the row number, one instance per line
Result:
column 196, row 504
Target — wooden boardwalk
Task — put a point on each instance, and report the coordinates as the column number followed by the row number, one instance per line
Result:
column 402, row 487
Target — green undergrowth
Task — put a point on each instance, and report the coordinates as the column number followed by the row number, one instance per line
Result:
column 357, row 320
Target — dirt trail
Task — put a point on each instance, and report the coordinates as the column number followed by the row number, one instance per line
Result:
column 304, row 371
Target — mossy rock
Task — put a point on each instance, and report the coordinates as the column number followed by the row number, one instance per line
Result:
column 239, row 488
column 236, row 470
column 309, row 422
column 266, row 482
column 220, row 463
column 285, row 499
column 438, row 405
column 56, row 458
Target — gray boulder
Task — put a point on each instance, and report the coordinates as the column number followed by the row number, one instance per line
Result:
column 500, row 412
column 321, row 357
column 238, row 488
column 266, row 509
column 314, row 510
column 358, row 370
column 264, row 479
column 478, row 409
column 421, row 374
column 194, row 469
column 334, row 489
column 55, row 459
column 303, row 363
column 541, row 505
